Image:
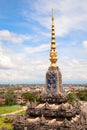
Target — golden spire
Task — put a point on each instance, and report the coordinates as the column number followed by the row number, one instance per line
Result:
column 53, row 53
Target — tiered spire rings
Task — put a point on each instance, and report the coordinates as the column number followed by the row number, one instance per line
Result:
column 53, row 53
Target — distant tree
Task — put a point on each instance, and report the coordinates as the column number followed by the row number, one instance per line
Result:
column 82, row 95
column 71, row 97
column 10, row 99
column 1, row 93
column 29, row 96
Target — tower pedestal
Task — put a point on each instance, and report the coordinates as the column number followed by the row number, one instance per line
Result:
column 53, row 81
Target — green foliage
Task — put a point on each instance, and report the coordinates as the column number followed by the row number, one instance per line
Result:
column 10, row 99
column 8, row 120
column 29, row 96
column 1, row 93
column 1, row 104
column 5, row 125
column 82, row 95
column 9, row 109
column 71, row 97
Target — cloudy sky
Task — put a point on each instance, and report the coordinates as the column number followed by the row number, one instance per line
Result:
column 25, row 35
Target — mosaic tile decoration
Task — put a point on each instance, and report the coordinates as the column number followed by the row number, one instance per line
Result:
column 51, row 82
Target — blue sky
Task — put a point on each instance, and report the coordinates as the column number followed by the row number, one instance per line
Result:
column 25, row 36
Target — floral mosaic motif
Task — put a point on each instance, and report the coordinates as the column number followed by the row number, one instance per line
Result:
column 51, row 82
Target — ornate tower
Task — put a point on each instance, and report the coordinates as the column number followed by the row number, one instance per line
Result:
column 53, row 75
column 53, row 111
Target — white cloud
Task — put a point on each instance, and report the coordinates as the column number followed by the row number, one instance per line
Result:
column 5, row 61
column 22, row 67
column 85, row 44
column 29, row 63
column 69, row 14
column 6, row 35
column 85, row 47
column 73, row 70
column 40, row 48
column 28, row 68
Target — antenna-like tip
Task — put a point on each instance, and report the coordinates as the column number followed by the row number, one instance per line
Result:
column 52, row 12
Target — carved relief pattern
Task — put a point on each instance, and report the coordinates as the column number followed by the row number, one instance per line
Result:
column 51, row 82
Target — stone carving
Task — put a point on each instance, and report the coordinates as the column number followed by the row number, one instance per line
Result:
column 64, row 115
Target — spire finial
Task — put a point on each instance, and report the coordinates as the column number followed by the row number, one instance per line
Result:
column 52, row 16
column 53, row 53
